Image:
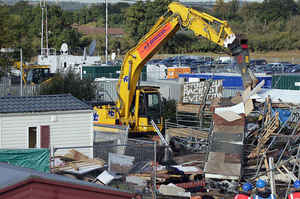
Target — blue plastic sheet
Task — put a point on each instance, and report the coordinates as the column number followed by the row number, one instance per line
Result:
column 284, row 114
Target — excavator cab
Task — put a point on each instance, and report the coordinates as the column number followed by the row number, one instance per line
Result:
column 38, row 75
column 149, row 108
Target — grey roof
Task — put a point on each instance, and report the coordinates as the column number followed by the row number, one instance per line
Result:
column 11, row 175
column 41, row 103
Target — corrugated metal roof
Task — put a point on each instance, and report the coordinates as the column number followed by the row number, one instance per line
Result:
column 42, row 103
column 14, row 175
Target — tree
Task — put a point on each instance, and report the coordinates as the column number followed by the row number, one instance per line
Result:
column 220, row 9
column 168, row 110
column 273, row 10
column 69, row 83
column 141, row 16
column 4, row 26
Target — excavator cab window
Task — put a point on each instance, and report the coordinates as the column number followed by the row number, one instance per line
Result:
column 38, row 75
column 150, row 106
column 153, row 102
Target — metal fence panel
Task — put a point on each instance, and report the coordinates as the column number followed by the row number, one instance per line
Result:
column 7, row 89
column 129, row 160
column 107, row 92
column 230, row 92
column 28, row 90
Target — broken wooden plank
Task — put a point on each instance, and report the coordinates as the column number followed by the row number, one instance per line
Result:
column 271, row 174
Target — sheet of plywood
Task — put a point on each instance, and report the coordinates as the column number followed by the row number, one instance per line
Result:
column 190, row 108
column 229, row 129
column 218, row 120
column 238, row 109
column 186, row 132
column 216, row 166
column 229, row 116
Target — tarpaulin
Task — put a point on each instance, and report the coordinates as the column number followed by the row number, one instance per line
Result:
column 38, row 159
column 284, row 114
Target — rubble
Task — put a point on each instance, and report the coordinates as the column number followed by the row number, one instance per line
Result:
column 243, row 140
column 77, row 165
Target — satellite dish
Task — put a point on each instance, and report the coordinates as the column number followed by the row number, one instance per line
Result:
column 64, row 48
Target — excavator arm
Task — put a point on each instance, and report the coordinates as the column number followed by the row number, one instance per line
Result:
column 219, row 32
column 178, row 17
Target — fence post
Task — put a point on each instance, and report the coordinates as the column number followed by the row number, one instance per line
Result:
column 154, row 168
column 52, row 160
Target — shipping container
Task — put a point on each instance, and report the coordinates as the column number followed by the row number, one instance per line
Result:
column 286, row 81
column 173, row 72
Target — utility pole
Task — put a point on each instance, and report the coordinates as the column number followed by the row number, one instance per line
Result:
column 42, row 34
column 43, row 6
column 47, row 47
column 106, row 32
column 21, row 73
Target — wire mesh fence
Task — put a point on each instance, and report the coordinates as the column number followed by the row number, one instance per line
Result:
column 128, row 159
column 139, row 150
column 8, row 89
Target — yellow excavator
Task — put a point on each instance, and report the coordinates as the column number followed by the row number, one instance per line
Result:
column 34, row 74
column 136, row 105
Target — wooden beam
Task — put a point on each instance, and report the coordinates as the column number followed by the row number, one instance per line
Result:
column 271, row 175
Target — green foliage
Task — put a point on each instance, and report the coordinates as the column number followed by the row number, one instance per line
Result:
column 141, row 16
column 273, row 10
column 69, row 83
column 226, row 11
column 270, row 25
column 21, row 28
column 169, row 110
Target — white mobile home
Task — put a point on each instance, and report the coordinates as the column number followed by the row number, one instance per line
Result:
column 46, row 121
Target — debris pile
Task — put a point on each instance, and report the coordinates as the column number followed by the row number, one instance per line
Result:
column 77, row 165
column 247, row 140
column 272, row 146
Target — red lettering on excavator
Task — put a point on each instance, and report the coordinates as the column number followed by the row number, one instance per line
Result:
column 147, row 46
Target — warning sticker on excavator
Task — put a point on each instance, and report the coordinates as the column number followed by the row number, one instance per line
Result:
column 147, row 46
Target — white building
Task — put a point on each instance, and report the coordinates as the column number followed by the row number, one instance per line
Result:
column 45, row 121
column 63, row 61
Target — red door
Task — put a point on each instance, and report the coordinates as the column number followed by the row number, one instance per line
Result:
column 45, row 136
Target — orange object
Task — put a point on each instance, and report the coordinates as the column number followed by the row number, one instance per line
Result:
column 173, row 72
